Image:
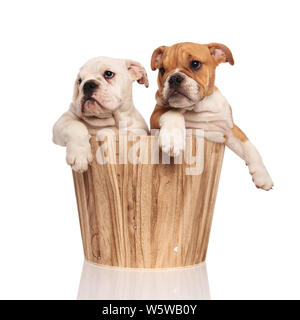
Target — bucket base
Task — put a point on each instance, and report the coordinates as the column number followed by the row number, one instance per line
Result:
column 142, row 268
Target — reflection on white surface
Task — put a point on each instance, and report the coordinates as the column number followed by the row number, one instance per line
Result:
column 104, row 283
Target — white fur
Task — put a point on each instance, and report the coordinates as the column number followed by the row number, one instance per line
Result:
column 260, row 175
column 69, row 131
column 212, row 113
column 73, row 128
column 172, row 133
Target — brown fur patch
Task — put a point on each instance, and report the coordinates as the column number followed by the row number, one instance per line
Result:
column 155, row 117
column 238, row 133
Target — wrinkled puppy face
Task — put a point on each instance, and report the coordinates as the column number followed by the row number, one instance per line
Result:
column 187, row 71
column 104, row 84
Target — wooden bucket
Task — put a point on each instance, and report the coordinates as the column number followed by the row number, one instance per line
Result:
column 144, row 215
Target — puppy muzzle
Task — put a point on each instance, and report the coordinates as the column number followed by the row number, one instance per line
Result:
column 180, row 90
column 90, row 105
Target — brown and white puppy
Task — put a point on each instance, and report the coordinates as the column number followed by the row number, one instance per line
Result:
column 102, row 99
column 187, row 98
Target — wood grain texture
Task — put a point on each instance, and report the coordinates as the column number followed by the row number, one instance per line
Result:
column 147, row 215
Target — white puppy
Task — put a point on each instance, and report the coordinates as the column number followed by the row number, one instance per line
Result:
column 102, row 99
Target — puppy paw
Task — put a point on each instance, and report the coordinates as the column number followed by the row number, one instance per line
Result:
column 79, row 156
column 172, row 140
column 261, row 178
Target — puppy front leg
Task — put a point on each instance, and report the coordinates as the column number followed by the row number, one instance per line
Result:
column 69, row 131
column 238, row 142
column 172, row 133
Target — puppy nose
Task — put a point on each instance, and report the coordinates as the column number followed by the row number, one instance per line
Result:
column 89, row 87
column 175, row 81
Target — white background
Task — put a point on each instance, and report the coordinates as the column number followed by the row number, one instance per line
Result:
column 254, row 245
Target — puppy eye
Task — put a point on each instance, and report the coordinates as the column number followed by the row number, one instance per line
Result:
column 162, row 71
column 108, row 74
column 195, row 65
column 79, row 81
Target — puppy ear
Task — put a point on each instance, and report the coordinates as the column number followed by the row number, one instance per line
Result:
column 156, row 59
column 76, row 88
column 137, row 72
column 220, row 53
